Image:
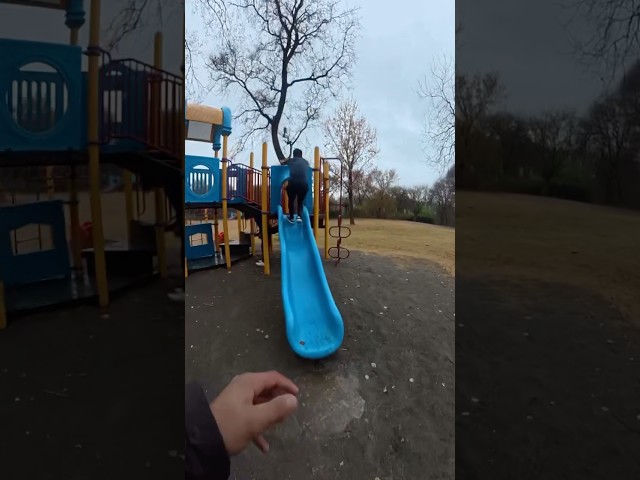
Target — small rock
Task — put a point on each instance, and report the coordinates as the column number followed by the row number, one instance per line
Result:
column 366, row 377
column 17, row 399
column 342, row 463
column 474, row 400
column 373, row 364
column 604, row 409
column 173, row 453
column 529, row 418
column 385, row 391
column 465, row 414
column 411, row 380
column 266, row 336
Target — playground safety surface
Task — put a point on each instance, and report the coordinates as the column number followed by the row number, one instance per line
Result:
column 382, row 406
column 543, row 382
column 70, row 382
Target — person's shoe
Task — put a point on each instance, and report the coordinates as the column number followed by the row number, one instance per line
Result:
column 177, row 295
column 260, row 263
column 290, row 220
column 299, row 219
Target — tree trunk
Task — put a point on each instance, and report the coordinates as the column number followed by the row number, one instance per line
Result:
column 276, row 141
column 352, row 218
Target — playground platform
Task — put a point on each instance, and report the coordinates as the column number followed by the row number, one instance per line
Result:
column 66, row 292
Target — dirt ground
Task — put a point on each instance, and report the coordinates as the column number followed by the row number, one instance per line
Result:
column 381, row 407
column 547, row 339
column 82, row 389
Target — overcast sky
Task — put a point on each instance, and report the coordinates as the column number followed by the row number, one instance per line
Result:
column 47, row 25
column 528, row 44
column 399, row 40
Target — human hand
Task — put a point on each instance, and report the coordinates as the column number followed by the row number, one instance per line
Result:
column 249, row 405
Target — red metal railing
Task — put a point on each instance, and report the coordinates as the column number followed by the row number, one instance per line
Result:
column 141, row 103
column 245, row 183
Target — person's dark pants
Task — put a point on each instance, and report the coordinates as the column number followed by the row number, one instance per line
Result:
column 297, row 193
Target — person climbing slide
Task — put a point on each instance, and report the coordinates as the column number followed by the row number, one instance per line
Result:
column 297, row 187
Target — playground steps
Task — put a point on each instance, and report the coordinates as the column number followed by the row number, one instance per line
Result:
column 238, row 251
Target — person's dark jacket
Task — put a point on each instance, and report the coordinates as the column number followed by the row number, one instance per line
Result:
column 205, row 454
column 298, row 170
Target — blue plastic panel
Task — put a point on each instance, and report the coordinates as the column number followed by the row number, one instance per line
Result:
column 202, row 180
column 32, row 267
column 193, row 252
column 279, row 175
column 36, row 114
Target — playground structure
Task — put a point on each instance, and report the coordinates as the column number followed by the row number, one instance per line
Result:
column 313, row 323
column 55, row 116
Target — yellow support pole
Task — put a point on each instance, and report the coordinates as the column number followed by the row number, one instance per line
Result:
column 239, row 220
column 326, row 209
column 316, row 192
column 93, row 134
column 252, row 224
column 74, row 206
column 159, row 192
column 215, row 227
column 3, row 308
column 127, row 181
column 264, row 206
column 74, row 217
column 225, row 211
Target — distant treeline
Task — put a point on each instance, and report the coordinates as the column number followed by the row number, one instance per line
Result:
column 593, row 157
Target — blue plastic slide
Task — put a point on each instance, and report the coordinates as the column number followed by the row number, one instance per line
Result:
column 314, row 325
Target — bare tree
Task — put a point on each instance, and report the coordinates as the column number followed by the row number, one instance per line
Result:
column 382, row 198
column 351, row 138
column 418, row 196
column 610, row 130
column 443, row 198
column 554, row 135
column 616, row 32
column 136, row 14
column 439, row 132
column 475, row 96
column 286, row 59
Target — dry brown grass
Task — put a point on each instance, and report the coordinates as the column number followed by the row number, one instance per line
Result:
column 401, row 240
column 552, row 240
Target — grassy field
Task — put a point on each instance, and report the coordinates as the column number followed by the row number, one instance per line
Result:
column 552, row 240
column 400, row 240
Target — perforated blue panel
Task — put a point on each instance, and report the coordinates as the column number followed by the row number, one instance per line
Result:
column 202, row 180
column 40, row 109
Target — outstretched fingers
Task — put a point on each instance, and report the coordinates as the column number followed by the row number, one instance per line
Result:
column 266, row 381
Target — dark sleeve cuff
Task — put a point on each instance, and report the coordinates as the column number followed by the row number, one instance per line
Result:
column 205, row 454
